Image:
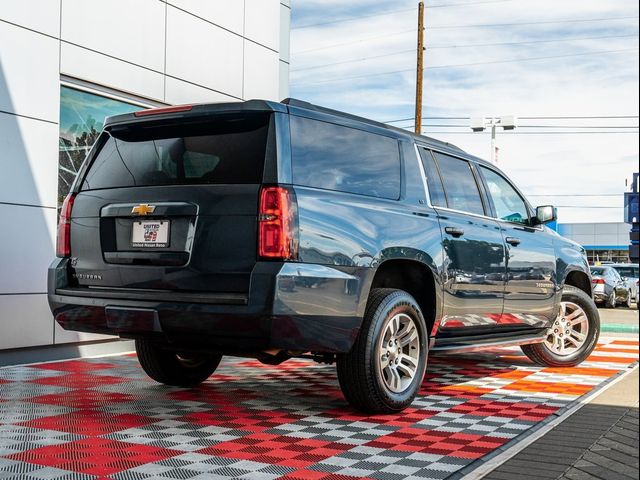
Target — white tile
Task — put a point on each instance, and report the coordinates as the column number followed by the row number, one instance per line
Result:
column 69, row 336
column 262, row 22
column 30, row 161
column 95, row 67
column 39, row 15
column 29, row 80
column 129, row 30
column 283, row 81
column 25, row 321
column 285, row 33
column 179, row 92
column 261, row 72
column 202, row 53
column 228, row 14
column 27, row 247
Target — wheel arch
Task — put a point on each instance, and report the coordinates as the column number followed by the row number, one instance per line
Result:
column 579, row 279
column 416, row 278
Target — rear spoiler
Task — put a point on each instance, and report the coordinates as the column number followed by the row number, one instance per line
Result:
column 201, row 110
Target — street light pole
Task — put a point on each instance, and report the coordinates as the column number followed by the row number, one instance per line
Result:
column 493, row 142
column 480, row 124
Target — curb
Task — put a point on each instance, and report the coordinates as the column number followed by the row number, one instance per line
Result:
column 619, row 328
column 482, row 466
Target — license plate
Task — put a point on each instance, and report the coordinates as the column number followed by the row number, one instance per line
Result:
column 150, row 234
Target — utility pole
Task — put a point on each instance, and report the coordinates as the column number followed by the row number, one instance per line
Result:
column 420, row 69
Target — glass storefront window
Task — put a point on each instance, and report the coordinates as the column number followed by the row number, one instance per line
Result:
column 82, row 116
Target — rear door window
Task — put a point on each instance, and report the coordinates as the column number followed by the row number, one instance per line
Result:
column 334, row 157
column 226, row 150
column 459, row 184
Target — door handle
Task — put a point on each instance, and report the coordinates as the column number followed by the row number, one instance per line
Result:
column 454, row 231
column 513, row 241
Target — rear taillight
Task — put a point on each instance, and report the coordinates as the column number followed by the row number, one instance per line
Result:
column 63, row 243
column 277, row 219
column 598, row 281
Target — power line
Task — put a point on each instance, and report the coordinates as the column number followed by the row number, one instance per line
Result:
column 575, row 195
column 529, row 42
column 544, row 22
column 585, row 117
column 412, row 30
column 413, row 50
column 393, row 12
column 608, row 132
column 621, row 127
column 494, row 62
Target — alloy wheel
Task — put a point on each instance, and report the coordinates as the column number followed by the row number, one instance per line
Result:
column 569, row 330
column 398, row 353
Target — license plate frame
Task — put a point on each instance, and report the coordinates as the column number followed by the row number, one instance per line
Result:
column 150, row 233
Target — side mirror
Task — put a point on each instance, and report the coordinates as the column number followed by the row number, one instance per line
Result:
column 545, row 214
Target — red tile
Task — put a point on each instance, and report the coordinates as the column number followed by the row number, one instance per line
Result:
column 277, row 450
column 76, row 366
column 83, row 399
column 89, row 422
column 80, row 380
column 94, row 456
column 452, row 444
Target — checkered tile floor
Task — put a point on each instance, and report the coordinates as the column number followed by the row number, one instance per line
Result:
column 103, row 418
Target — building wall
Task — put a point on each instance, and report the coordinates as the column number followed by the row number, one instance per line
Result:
column 151, row 52
column 603, row 241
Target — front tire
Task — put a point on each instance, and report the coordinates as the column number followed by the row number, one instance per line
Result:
column 573, row 335
column 384, row 370
column 171, row 368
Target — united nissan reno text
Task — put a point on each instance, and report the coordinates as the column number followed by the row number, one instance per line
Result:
column 279, row 230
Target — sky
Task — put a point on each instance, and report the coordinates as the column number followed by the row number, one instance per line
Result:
column 490, row 58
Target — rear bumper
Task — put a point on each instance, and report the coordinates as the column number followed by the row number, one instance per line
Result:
column 291, row 306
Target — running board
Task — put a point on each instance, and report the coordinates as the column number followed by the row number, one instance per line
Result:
column 492, row 343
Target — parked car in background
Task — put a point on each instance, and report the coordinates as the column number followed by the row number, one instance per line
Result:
column 629, row 274
column 609, row 288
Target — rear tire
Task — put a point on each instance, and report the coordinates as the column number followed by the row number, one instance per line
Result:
column 543, row 354
column 172, row 368
column 384, row 370
column 611, row 300
column 628, row 303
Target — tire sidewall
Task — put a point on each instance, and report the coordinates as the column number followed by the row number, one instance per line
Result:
column 400, row 302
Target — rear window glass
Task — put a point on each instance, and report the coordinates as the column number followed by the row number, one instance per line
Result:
column 631, row 272
column 598, row 271
column 345, row 159
column 227, row 150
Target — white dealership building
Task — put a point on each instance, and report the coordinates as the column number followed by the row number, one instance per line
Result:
column 64, row 66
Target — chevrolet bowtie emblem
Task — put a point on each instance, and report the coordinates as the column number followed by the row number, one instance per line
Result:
column 142, row 209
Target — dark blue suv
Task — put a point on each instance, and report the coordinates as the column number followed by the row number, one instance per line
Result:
column 279, row 230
